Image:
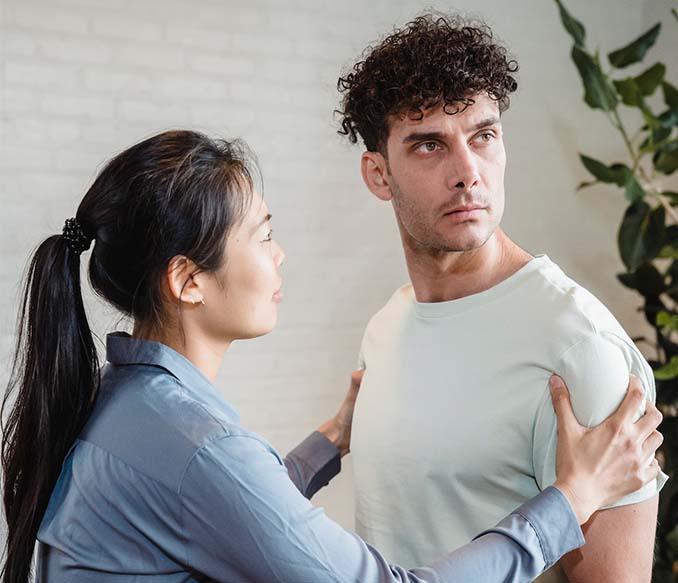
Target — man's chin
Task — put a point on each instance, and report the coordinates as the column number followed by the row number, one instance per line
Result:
column 470, row 242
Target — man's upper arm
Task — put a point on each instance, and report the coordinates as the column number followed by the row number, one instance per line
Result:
column 619, row 546
column 619, row 539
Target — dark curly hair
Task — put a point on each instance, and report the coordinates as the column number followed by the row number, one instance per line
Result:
column 433, row 60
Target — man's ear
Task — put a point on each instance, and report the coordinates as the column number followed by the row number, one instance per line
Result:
column 374, row 169
column 180, row 282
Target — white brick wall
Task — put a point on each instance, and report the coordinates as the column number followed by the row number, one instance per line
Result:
column 82, row 79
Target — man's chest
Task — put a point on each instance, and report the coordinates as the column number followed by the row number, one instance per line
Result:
column 459, row 403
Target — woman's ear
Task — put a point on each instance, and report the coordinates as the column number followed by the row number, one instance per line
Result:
column 374, row 169
column 180, row 281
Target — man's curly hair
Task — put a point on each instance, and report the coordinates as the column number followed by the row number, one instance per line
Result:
column 432, row 61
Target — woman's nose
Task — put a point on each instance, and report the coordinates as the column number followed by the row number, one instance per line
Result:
column 280, row 255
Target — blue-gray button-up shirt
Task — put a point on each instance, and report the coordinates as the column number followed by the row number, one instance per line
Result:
column 165, row 485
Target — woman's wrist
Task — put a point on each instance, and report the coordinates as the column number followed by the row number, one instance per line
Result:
column 333, row 431
column 582, row 509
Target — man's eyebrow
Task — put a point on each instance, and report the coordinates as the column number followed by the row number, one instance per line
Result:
column 423, row 137
column 484, row 123
column 440, row 136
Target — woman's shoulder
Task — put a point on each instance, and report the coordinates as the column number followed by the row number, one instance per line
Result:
column 151, row 421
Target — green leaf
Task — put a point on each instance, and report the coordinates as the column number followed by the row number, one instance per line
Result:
column 656, row 136
column 666, row 320
column 572, row 25
column 670, row 95
column 648, row 281
column 621, row 173
column 598, row 92
column 668, row 371
column 666, row 158
column 627, row 280
column 614, row 174
column 667, row 162
column 673, row 197
column 585, row 184
column 650, row 118
column 668, row 252
column 633, row 89
column 668, row 118
column 641, row 234
column 634, row 51
column 628, row 91
column 670, row 249
column 649, row 80
column 632, row 190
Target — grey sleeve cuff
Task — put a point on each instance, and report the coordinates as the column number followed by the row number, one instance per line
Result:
column 313, row 463
column 555, row 523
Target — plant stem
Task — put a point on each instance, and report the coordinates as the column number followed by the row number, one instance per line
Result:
column 617, row 122
column 667, row 205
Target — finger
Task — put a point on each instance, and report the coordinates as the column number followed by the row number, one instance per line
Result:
column 635, row 395
column 652, row 444
column 651, row 472
column 648, row 422
column 561, row 404
column 357, row 376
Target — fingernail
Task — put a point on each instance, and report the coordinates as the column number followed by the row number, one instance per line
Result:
column 555, row 383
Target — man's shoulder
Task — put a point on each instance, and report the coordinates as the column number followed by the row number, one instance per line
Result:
column 573, row 310
column 396, row 306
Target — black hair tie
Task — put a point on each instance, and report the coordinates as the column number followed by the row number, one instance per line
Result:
column 76, row 238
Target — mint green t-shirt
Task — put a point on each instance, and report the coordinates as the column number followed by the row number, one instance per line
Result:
column 454, row 425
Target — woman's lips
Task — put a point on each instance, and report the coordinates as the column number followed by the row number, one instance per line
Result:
column 278, row 296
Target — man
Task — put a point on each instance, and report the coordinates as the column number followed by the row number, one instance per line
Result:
column 481, row 326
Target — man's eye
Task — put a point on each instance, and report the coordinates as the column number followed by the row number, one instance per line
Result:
column 428, row 147
column 486, row 136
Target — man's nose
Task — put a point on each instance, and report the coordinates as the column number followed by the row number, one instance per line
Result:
column 464, row 172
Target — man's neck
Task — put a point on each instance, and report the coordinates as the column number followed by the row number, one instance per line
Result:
column 454, row 275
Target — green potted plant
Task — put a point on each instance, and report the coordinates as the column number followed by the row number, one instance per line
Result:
column 648, row 233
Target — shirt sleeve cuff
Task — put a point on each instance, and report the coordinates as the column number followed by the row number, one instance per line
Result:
column 317, row 460
column 555, row 523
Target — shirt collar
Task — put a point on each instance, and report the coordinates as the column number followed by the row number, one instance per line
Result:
column 122, row 349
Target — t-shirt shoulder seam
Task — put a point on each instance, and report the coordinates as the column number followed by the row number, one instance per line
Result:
column 564, row 291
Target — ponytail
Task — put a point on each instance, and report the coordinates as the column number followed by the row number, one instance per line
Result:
column 177, row 193
column 54, row 382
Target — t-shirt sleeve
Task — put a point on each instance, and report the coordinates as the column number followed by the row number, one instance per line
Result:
column 361, row 353
column 596, row 371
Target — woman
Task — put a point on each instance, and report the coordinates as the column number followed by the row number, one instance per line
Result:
column 143, row 472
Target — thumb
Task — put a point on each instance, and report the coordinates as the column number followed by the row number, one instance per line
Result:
column 357, row 376
column 560, row 397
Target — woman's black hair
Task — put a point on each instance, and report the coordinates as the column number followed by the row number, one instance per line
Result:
column 177, row 193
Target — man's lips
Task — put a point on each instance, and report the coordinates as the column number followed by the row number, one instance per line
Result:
column 465, row 213
column 278, row 295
